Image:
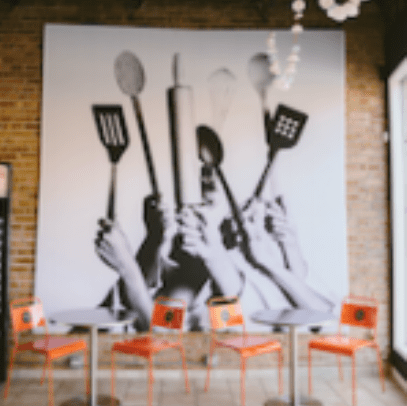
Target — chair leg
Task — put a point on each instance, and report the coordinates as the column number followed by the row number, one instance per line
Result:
column 280, row 372
column 381, row 373
column 338, row 357
column 309, row 372
column 10, row 372
column 113, row 383
column 184, row 367
column 243, row 381
column 353, row 381
column 150, row 381
column 86, row 370
column 211, row 350
column 44, row 370
column 50, row 383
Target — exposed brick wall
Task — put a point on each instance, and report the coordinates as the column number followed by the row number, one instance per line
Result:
column 366, row 153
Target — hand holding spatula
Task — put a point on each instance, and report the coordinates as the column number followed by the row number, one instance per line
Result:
column 114, row 137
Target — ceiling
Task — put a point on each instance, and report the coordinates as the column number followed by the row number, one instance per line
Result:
column 388, row 8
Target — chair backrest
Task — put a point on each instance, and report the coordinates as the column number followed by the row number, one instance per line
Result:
column 225, row 312
column 168, row 313
column 359, row 311
column 26, row 314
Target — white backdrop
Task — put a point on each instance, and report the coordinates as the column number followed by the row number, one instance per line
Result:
column 75, row 170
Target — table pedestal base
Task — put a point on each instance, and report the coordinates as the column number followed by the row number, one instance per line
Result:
column 285, row 401
column 102, row 400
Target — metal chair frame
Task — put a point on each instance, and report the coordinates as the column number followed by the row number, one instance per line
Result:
column 356, row 311
column 168, row 314
column 226, row 312
column 27, row 314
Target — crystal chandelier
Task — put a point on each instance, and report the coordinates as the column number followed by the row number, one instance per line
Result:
column 334, row 10
column 285, row 78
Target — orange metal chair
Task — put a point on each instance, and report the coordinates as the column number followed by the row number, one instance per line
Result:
column 27, row 314
column 168, row 315
column 225, row 312
column 356, row 311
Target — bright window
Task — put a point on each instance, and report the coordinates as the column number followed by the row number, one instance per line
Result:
column 398, row 148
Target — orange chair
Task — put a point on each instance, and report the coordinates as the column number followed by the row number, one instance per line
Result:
column 27, row 314
column 168, row 315
column 225, row 312
column 356, row 311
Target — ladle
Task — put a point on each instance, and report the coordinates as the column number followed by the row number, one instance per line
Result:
column 211, row 154
column 130, row 77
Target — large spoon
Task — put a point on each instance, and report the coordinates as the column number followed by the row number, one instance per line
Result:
column 211, row 154
column 130, row 77
column 260, row 76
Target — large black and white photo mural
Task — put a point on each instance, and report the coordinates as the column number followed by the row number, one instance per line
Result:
column 172, row 164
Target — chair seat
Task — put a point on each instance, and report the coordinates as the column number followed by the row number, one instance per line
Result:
column 250, row 345
column 144, row 346
column 340, row 344
column 55, row 347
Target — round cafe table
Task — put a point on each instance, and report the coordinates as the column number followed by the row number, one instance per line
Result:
column 292, row 318
column 93, row 319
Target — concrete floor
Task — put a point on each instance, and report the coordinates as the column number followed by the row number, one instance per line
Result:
column 169, row 389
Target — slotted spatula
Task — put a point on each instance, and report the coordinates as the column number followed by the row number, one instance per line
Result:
column 283, row 131
column 114, row 136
